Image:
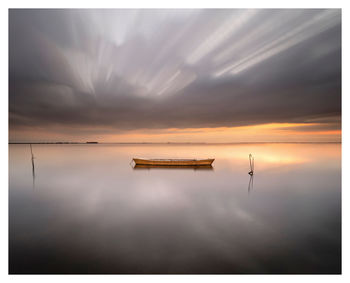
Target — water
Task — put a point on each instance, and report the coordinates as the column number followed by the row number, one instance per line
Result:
column 86, row 210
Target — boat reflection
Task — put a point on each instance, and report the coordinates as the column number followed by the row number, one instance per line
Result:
column 197, row 167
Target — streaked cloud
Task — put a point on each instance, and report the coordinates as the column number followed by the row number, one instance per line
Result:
column 125, row 70
column 314, row 26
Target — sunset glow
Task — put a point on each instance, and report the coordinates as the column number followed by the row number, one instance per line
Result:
column 274, row 132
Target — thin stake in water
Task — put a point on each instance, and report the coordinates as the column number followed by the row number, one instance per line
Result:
column 33, row 168
column 31, row 151
column 251, row 163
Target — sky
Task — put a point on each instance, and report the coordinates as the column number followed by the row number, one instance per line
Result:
column 180, row 75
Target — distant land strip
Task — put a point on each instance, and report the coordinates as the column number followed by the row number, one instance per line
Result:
column 175, row 143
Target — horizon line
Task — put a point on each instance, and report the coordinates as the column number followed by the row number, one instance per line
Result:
column 94, row 142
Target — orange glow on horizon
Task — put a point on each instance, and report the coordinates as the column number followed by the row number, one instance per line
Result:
column 283, row 132
column 273, row 132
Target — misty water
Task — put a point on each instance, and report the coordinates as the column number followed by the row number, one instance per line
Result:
column 85, row 209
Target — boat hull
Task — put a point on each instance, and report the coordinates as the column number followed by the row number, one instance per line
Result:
column 173, row 162
column 187, row 167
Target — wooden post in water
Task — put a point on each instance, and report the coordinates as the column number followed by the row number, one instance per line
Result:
column 33, row 168
column 251, row 163
column 31, row 151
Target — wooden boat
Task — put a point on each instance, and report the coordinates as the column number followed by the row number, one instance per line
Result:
column 173, row 162
column 186, row 167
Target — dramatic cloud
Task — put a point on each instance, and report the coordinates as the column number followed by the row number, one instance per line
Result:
column 157, row 69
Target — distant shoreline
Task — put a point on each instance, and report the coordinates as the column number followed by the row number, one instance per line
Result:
column 169, row 143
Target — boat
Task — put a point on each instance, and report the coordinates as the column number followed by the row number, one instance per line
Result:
column 173, row 162
column 186, row 167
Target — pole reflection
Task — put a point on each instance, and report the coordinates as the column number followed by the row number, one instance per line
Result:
column 251, row 183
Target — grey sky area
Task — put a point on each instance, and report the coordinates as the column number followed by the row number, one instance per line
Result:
column 155, row 69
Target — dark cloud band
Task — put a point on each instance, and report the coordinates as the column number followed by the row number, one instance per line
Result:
column 132, row 69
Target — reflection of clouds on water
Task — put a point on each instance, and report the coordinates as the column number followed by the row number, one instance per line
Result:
column 91, row 207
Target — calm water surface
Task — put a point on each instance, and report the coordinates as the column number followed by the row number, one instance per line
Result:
column 86, row 210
